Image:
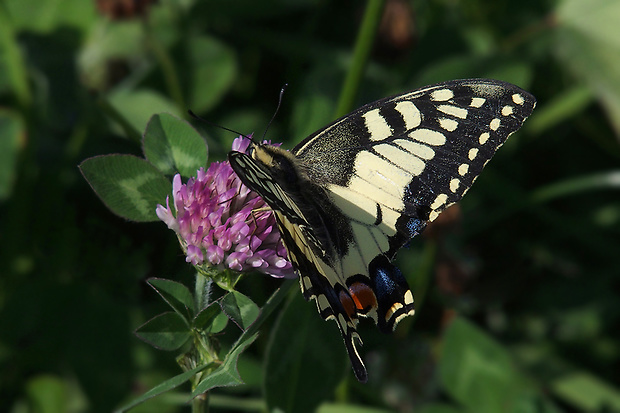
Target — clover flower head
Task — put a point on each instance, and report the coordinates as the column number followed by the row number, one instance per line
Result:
column 221, row 223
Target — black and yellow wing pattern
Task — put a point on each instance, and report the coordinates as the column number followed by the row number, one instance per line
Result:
column 348, row 197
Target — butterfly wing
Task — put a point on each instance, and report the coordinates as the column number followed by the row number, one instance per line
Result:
column 419, row 152
column 392, row 166
column 402, row 160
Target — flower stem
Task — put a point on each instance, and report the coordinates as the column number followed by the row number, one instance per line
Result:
column 363, row 45
column 202, row 291
column 168, row 69
column 200, row 404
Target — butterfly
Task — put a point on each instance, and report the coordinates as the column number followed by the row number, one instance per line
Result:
column 349, row 196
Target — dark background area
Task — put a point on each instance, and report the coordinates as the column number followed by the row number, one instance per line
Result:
column 528, row 260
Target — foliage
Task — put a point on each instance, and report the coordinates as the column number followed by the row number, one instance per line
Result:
column 516, row 291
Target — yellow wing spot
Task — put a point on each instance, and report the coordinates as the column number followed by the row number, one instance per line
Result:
column 477, row 102
column 428, row 136
column 377, row 125
column 402, row 158
column 473, row 152
column 388, row 224
column 448, row 124
column 408, row 298
column 495, row 124
column 452, row 110
column 391, row 196
column 484, row 137
column 518, row 99
column 410, row 113
column 307, row 283
column 400, row 317
column 323, row 302
column 463, row 168
column 507, row 110
column 383, row 173
column 380, row 238
column 439, row 201
column 454, row 184
column 353, row 263
column 417, row 149
column 394, row 308
column 441, row 95
column 354, row 203
column 365, row 242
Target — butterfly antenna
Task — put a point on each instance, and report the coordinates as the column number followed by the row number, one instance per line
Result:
column 193, row 115
column 277, row 109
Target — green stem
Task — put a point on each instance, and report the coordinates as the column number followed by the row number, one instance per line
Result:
column 200, row 404
column 167, row 67
column 363, row 46
column 14, row 63
column 202, row 291
column 131, row 132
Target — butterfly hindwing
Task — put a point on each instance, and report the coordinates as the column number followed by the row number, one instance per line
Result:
column 348, row 197
column 308, row 254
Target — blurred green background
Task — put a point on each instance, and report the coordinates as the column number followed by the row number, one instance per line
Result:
column 517, row 287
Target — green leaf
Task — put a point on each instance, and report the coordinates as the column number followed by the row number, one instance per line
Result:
column 219, row 323
column 212, row 71
column 561, row 108
column 477, row 371
column 12, row 130
column 175, row 294
column 206, row 316
column 269, row 307
column 171, row 144
column 351, row 408
column 587, row 392
column 440, row 408
column 226, row 374
column 45, row 16
column 363, row 46
column 51, row 394
column 109, row 42
column 311, row 112
column 167, row 331
column 161, row 388
column 13, row 71
column 305, row 359
column 588, row 42
column 131, row 187
column 137, row 106
column 240, row 309
column 574, row 186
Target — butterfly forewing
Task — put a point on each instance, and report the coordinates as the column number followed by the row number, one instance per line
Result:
column 352, row 194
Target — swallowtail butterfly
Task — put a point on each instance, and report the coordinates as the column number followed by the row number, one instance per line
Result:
column 349, row 196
